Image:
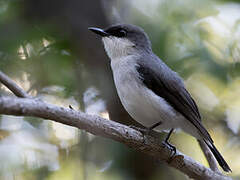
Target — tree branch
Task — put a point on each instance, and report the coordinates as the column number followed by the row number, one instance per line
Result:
column 109, row 129
column 11, row 85
column 106, row 128
column 209, row 156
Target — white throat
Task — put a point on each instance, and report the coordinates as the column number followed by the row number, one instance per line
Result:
column 118, row 47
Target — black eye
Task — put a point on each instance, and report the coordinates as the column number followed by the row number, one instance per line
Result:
column 122, row 33
column 117, row 32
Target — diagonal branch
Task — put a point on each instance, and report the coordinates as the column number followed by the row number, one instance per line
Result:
column 11, row 85
column 19, row 92
column 109, row 129
column 209, row 156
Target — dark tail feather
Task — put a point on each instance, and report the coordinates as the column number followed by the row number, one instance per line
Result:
column 219, row 157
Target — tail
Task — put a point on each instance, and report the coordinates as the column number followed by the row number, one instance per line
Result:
column 218, row 157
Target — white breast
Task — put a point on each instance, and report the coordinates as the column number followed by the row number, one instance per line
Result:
column 140, row 102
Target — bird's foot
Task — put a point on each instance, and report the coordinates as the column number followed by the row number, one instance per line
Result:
column 173, row 150
column 172, row 147
column 148, row 130
column 144, row 131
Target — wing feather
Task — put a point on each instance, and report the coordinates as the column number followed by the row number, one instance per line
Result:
column 168, row 85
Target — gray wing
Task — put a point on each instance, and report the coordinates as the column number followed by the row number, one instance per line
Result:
column 169, row 86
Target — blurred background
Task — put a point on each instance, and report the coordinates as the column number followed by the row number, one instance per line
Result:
column 46, row 48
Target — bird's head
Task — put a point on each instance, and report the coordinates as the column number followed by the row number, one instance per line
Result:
column 123, row 39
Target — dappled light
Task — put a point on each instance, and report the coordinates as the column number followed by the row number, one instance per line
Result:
column 48, row 51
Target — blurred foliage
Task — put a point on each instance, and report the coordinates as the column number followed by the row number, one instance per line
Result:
column 198, row 39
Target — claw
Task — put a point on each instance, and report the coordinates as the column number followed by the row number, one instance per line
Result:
column 173, row 150
column 144, row 131
column 172, row 147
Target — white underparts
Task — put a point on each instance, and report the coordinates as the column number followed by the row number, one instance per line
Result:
column 143, row 104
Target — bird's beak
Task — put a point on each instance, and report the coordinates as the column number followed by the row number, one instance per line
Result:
column 98, row 31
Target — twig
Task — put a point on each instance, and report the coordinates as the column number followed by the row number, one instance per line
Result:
column 209, row 156
column 109, row 129
column 11, row 85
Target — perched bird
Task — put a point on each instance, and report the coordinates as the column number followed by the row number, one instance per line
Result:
column 149, row 90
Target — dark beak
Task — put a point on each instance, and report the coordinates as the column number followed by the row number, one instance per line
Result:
column 98, row 31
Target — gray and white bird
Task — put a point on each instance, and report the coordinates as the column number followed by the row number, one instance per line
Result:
column 153, row 94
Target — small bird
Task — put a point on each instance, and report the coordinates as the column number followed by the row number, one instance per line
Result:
column 152, row 93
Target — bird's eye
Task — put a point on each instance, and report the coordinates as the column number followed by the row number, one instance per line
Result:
column 117, row 32
column 122, row 33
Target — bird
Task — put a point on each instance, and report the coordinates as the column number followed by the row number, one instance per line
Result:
column 153, row 94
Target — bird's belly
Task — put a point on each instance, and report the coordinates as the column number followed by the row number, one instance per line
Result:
column 146, row 107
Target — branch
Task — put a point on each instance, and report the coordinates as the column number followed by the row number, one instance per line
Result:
column 99, row 126
column 11, row 85
column 109, row 129
column 209, row 156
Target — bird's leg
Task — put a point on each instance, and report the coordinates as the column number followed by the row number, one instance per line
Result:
column 155, row 125
column 142, row 130
column 170, row 145
column 147, row 130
